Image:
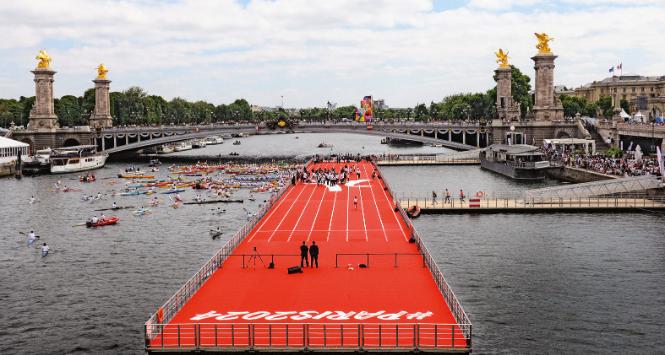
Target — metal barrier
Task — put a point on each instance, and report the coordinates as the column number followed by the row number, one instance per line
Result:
column 311, row 336
column 451, row 299
column 368, row 255
column 166, row 312
column 517, row 201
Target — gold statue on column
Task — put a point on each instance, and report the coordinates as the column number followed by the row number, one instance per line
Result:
column 544, row 43
column 502, row 59
column 101, row 71
column 44, row 60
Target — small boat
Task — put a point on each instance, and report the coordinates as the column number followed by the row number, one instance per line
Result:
column 173, row 191
column 237, row 142
column 325, row 145
column 141, row 212
column 114, row 209
column 135, row 176
column 102, row 222
column 207, row 202
column 198, row 143
column 413, row 211
column 154, row 163
column 214, row 140
column 165, row 149
column 215, row 234
column 182, row 146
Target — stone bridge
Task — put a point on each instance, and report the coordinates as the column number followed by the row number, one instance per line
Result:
column 116, row 140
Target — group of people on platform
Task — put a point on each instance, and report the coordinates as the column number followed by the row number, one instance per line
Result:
column 447, row 196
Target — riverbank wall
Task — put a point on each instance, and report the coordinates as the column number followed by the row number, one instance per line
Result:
column 576, row 175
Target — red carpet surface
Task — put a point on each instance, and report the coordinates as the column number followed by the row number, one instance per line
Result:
column 330, row 300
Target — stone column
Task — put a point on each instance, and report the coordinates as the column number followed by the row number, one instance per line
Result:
column 506, row 109
column 42, row 115
column 547, row 107
column 101, row 116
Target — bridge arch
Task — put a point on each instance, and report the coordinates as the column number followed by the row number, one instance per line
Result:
column 70, row 142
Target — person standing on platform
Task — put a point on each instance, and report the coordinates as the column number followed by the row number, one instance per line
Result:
column 355, row 202
column 314, row 254
column 461, row 195
column 303, row 255
column 447, row 193
column 434, row 197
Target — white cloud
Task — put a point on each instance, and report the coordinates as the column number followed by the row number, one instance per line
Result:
column 312, row 51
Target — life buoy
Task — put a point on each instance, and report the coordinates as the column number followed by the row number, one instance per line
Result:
column 480, row 194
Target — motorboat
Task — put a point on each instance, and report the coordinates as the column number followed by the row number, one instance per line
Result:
column 212, row 140
column 182, row 146
column 165, row 149
column 198, row 143
column 102, row 222
column 75, row 159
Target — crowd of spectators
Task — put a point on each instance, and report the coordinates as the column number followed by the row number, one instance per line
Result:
column 623, row 166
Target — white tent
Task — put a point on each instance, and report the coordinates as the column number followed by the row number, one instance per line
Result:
column 623, row 114
column 639, row 117
column 10, row 148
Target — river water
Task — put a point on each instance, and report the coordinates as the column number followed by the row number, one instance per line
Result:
column 542, row 283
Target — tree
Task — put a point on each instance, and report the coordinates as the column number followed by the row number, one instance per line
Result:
column 521, row 86
column 573, row 105
column 605, row 106
column 625, row 105
column 420, row 112
column 68, row 111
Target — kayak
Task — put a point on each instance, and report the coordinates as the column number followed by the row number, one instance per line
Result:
column 141, row 212
column 212, row 201
column 173, row 191
column 115, row 209
column 103, row 222
column 135, row 176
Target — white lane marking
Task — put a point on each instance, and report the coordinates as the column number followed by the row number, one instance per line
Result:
column 383, row 227
column 301, row 214
column 331, row 218
column 362, row 211
column 347, row 212
column 286, row 214
column 273, row 209
column 390, row 204
column 316, row 215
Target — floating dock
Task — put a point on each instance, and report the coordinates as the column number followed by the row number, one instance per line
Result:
column 377, row 288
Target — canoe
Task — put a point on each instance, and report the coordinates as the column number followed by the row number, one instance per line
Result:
column 173, row 191
column 135, row 176
column 212, row 201
column 103, row 222
column 115, row 209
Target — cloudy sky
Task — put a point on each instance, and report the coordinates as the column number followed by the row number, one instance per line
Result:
column 311, row 51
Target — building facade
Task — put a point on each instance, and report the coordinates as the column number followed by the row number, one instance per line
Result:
column 645, row 94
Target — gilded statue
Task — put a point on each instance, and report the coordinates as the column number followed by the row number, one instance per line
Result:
column 544, row 43
column 44, row 60
column 101, row 71
column 502, row 59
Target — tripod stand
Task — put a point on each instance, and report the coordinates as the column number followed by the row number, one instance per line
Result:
column 255, row 256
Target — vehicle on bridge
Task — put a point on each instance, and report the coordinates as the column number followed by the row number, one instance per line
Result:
column 77, row 158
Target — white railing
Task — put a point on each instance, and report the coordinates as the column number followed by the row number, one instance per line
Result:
column 168, row 310
column 310, row 336
column 451, row 299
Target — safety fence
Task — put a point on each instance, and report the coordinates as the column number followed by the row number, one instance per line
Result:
column 519, row 201
column 438, row 159
column 367, row 256
column 174, row 304
column 451, row 299
column 310, row 336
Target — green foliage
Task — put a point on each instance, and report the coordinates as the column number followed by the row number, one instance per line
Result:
column 624, row 105
column 521, row 85
column 605, row 106
column 613, row 152
column 573, row 105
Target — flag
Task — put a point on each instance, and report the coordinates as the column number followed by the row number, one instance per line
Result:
column 612, row 70
column 661, row 164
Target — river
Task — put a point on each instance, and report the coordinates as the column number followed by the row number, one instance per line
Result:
column 542, row 283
